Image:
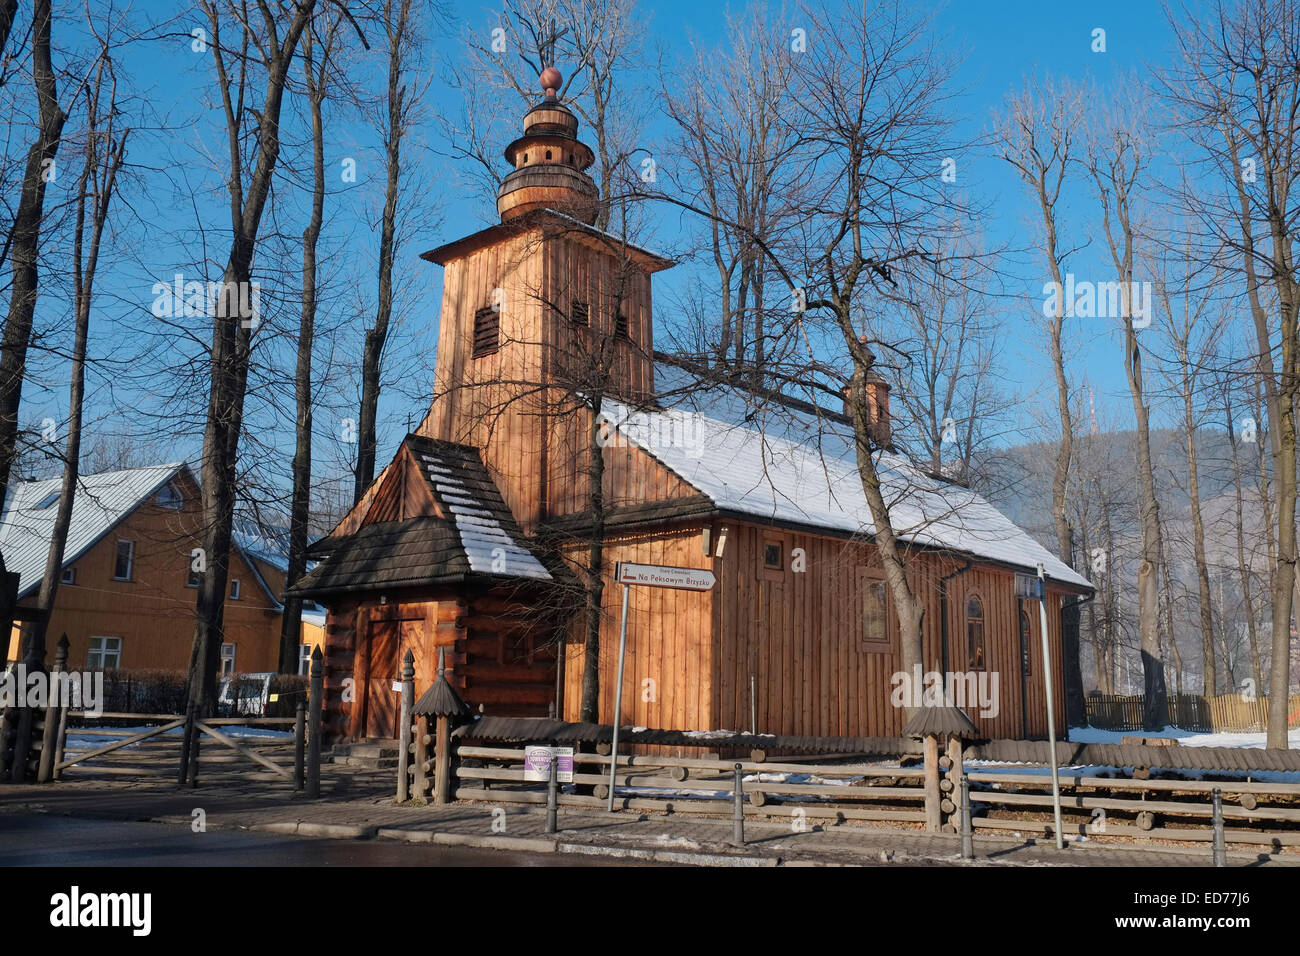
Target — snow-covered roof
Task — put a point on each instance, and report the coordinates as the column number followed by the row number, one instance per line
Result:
column 100, row 504
column 269, row 543
column 478, row 519
column 783, row 464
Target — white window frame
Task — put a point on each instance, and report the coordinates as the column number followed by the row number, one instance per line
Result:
column 69, row 576
column 304, row 658
column 229, row 652
column 176, row 501
column 104, row 651
column 130, row 559
column 236, row 589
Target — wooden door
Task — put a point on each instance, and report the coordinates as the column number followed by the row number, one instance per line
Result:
column 381, row 700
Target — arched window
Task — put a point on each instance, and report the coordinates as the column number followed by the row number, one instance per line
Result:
column 975, row 634
column 1026, row 659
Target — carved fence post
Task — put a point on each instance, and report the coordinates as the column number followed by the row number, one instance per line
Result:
column 404, row 728
column 422, row 765
column 933, row 819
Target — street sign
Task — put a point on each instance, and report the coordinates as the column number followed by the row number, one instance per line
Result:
column 664, row 576
column 537, row 763
column 1029, row 586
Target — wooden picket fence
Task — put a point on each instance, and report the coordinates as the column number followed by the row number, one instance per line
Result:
column 1224, row 713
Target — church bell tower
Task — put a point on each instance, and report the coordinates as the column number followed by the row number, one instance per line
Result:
column 532, row 308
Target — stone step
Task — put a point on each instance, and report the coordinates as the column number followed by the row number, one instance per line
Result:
column 369, row 763
column 372, row 754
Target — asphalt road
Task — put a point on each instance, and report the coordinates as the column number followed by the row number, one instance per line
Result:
column 43, row 840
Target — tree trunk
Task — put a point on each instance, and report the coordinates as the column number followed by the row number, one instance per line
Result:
column 1155, row 711
column 909, row 608
column 1209, row 675
column 232, row 343
column 595, row 583
column 377, row 336
column 98, row 194
column 26, row 241
column 300, row 496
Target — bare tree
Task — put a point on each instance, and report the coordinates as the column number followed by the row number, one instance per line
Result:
column 1237, row 97
column 1118, row 156
column 401, row 99
column 870, row 97
column 316, row 75
column 267, row 43
column 1193, row 329
column 25, row 245
column 734, row 140
column 1036, row 137
column 948, row 403
column 104, row 152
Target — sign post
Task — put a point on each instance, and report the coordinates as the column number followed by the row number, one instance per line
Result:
column 654, row 576
column 1051, row 716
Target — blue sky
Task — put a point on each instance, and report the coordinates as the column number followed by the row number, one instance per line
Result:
column 1000, row 43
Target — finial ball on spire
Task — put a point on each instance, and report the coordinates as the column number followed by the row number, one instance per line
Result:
column 551, row 80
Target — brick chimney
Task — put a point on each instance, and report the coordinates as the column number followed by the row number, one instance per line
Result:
column 879, row 426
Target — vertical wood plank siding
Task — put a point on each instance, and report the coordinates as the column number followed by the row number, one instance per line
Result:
column 800, row 635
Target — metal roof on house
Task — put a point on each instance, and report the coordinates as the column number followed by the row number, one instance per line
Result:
column 100, row 504
column 790, row 465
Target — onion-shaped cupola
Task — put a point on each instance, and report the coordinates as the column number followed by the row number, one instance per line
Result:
column 549, row 162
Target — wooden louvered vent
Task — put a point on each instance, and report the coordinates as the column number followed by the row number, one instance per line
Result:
column 579, row 314
column 487, row 331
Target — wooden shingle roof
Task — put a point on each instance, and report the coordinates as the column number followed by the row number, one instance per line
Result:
column 472, row 533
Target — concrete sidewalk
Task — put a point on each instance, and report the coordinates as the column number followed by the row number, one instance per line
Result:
column 358, row 805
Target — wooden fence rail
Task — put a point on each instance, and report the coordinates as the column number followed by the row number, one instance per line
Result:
column 1096, row 804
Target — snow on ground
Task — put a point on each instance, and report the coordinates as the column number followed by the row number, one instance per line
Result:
column 80, row 741
column 1080, row 770
column 1185, row 738
column 811, row 779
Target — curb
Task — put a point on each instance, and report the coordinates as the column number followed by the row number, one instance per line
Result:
column 487, row 842
column 336, row 831
column 669, row 856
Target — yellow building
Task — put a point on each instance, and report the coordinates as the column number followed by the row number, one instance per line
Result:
column 127, row 593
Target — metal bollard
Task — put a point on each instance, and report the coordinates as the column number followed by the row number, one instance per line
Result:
column 738, row 813
column 300, row 747
column 553, row 796
column 1220, row 840
column 194, row 750
column 967, row 831
column 314, row 724
column 186, row 742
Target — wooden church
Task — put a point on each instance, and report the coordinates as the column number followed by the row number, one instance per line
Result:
column 475, row 538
